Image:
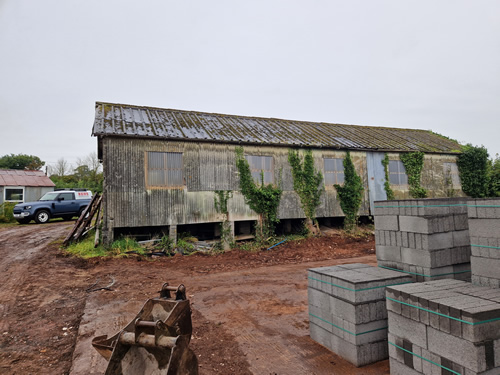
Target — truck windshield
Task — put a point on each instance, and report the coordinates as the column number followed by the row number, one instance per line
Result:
column 49, row 197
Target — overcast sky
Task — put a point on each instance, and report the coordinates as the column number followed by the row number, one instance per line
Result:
column 413, row 64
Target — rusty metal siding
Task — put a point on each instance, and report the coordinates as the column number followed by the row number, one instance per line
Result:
column 207, row 167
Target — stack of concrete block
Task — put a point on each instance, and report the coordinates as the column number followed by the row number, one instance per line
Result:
column 426, row 238
column 443, row 327
column 484, row 228
column 347, row 312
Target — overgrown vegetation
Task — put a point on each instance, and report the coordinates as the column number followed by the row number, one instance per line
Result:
column 414, row 163
column 387, row 184
column 221, row 199
column 350, row 194
column 7, row 212
column 307, row 184
column 474, row 172
column 262, row 198
column 119, row 248
column 87, row 174
column 494, row 173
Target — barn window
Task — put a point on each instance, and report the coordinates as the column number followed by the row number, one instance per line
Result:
column 334, row 171
column 164, row 169
column 397, row 173
column 14, row 194
column 451, row 174
column 259, row 165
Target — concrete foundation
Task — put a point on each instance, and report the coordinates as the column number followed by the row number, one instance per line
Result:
column 347, row 312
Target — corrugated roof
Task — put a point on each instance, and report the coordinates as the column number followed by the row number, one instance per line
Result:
column 14, row 177
column 134, row 121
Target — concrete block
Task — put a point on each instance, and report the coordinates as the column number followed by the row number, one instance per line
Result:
column 463, row 352
column 461, row 222
column 393, row 241
column 391, row 253
column 486, row 267
column 414, row 224
column 484, row 228
column 360, row 355
column 386, row 223
column 437, row 241
column 471, row 209
column 398, row 368
column 407, row 329
column 461, row 238
column 320, row 335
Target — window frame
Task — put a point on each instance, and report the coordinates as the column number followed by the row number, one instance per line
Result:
column 400, row 172
column 336, row 173
column 12, row 188
column 256, row 172
column 165, row 170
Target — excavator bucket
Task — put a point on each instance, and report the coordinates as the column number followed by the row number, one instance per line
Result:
column 156, row 341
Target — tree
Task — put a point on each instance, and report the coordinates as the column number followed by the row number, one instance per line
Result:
column 474, row 172
column 62, row 167
column 21, row 161
column 351, row 194
column 307, row 184
column 86, row 175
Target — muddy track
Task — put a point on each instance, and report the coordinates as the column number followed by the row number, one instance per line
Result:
column 249, row 309
column 40, row 300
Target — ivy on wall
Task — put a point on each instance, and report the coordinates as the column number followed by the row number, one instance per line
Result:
column 350, row 194
column 387, row 184
column 221, row 199
column 414, row 163
column 263, row 199
column 474, row 171
column 307, row 184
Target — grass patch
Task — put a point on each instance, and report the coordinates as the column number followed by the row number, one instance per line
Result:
column 120, row 248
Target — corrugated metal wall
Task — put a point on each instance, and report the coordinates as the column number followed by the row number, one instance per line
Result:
column 207, row 167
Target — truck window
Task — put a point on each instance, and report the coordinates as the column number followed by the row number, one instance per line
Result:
column 66, row 196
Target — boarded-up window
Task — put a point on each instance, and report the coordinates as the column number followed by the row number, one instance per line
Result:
column 164, row 169
column 334, row 171
column 397, row 173
column 451, row 174
column 259, row 165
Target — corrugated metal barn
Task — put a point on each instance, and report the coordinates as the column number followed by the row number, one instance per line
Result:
column 18, row 186
column 162, row 166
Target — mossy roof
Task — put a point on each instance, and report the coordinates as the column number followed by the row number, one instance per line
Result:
column 148, row 122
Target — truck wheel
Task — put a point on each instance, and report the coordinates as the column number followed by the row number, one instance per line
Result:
column 81, row 212
column 42, row 217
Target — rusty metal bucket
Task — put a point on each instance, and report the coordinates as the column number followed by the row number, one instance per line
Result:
column 156, row 341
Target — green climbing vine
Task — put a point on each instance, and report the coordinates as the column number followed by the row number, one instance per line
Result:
column 350, row 194
column 307, row 184
column 474, row 171
column 221, row 199
column 387, row 184
column 263, row 199
column 414, row 163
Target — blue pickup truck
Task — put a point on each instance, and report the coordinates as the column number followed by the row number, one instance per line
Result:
column 59, row 203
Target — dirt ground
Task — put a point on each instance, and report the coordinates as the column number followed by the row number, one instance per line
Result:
column 249, row 309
